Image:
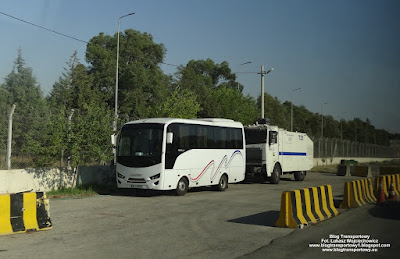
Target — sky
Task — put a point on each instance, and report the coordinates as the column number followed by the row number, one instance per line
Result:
column 344, row 55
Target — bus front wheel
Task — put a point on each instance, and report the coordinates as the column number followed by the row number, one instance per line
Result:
column 276, row 175
column 182, row 187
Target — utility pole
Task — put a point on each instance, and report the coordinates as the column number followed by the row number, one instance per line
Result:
column 262, row 92
column 9, row 136
column 262, row 88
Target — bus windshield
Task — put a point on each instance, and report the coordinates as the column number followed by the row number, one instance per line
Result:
column 140, row 145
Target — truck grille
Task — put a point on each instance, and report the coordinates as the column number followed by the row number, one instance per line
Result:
column 253, row 156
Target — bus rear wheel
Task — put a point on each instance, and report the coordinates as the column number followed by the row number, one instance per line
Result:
column 222, row 184
column 182, row 187
column 299, row 176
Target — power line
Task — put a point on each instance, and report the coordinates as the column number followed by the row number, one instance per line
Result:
column 59, row 33
column 246, row 72
column 169, row 64
column 41, row 27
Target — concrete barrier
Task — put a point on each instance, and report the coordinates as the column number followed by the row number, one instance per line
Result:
column 336, row 160
column 47, row 179
column 305, row 206
column 343, row 170
column 36, row 180
column 21, row 212
column 347, row 170
column 361, row 171
column 357, row 193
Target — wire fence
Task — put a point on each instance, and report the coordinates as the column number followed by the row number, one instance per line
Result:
column 332, row 147
column 323, row 148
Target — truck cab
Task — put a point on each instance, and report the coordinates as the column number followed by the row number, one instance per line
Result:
column 272, row 152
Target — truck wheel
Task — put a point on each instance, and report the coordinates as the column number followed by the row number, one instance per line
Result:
column 182, row 187
column 299, row 176
column 222, row 184
column 276, row 175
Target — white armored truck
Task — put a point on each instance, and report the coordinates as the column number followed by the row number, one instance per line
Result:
column 272, row 152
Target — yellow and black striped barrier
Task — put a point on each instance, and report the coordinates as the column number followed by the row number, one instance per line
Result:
column 305, row 206
column 23, row 212
column 357, row 193
column 387, row 181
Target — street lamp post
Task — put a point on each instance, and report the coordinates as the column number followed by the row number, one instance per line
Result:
column 291, row 108
column 262, row 88
column 245, row 63
column 116, row 85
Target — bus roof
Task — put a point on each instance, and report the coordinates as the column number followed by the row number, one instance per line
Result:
column 203, row 121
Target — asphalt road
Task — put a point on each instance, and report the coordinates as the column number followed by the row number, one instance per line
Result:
column 201, row 224
column 380, row 223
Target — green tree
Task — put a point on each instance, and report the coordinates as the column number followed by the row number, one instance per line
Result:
column 60, row 96
column 142, row 84
column 55, row 147
column 231, row 104
column 31, row 113
column 206, row 73
column 331, row 127
column 383, row 137
column 90, row 123
column 181, row 104
column 278, row 114
column 4, row 108
column 202, row 77
column 52, row 148
column 80, row 125
column 303, row 120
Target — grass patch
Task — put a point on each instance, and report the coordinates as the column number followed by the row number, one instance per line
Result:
column 76, row 192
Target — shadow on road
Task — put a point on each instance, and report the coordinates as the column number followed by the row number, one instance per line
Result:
column 337, row 202
column 267, row 218
column 153, row 193
column 261, row 180
column 390, row 210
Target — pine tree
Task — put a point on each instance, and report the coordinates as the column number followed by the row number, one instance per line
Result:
column 22, row 89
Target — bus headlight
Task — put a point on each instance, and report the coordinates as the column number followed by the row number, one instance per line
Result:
column 155, row 177
column 120, row 176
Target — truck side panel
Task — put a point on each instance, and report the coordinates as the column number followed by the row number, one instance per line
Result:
column 296, row 152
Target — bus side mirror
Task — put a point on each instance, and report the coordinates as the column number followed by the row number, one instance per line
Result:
column 170, row 137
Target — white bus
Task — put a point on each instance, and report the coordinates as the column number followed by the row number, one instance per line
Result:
column 178, row 154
